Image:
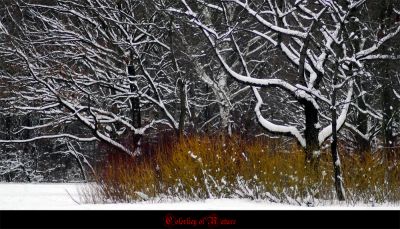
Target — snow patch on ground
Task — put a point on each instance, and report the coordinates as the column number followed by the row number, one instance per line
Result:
column 20, row 196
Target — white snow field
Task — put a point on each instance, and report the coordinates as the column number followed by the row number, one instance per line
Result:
column 20, row 196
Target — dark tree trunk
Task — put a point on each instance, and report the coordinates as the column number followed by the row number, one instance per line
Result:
column 27, row 133
column 311, row 114
column 8, row 127
column 182, row 114
column 181, row 84
column 334, row 150
column 311, row 134
column 388, row 104
column 207, row 111
column 135, row 103
column 363, row 145
column 388, row 115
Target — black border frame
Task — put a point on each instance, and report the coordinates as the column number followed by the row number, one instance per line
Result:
column 281, row 219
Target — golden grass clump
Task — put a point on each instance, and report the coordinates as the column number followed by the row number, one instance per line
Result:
column 201, row 167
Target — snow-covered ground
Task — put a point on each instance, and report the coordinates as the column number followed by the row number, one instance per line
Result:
column 66, row 197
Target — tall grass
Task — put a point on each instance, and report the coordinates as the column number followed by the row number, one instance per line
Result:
column 207, row 167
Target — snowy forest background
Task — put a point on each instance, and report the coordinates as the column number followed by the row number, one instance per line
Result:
column 87, row 84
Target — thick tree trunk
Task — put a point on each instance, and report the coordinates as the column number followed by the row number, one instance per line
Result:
column 334, row 151
column 224, row 112
column 311, row 135
column 388, row 113
column 135, row 109
column 226, row 130
column 311, row 114
column 224, row 106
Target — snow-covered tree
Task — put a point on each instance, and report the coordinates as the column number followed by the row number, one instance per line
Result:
column 318, row 40
column 106, row 65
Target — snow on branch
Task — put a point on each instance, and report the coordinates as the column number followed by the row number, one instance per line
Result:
column 326, row 132
column 44, row 137
column 274, row 127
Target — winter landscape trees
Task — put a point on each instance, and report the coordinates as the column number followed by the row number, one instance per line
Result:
column 81, row 79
